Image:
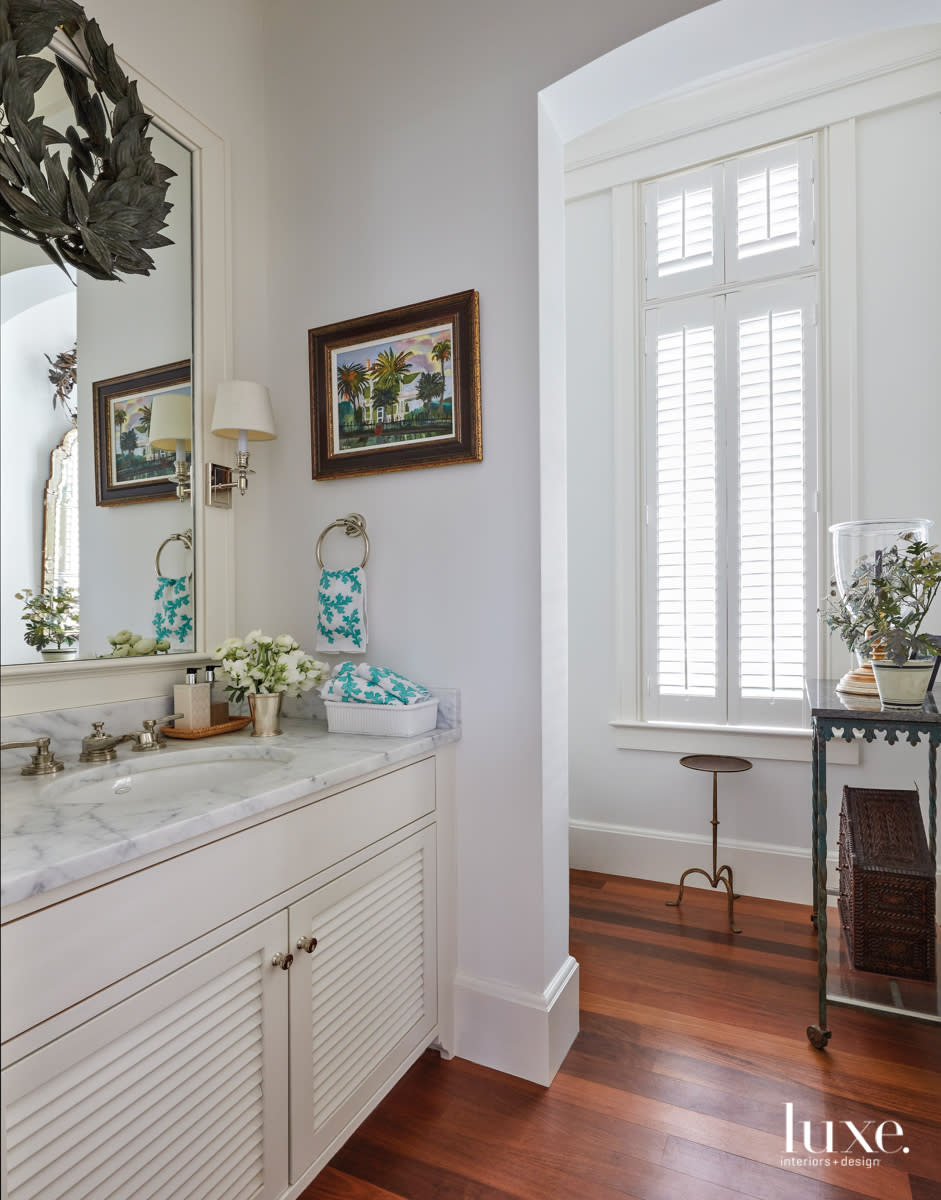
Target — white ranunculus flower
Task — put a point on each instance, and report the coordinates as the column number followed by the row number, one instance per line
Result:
column 264, row 664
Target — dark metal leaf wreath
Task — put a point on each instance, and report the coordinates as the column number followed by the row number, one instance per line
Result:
column 105, row 208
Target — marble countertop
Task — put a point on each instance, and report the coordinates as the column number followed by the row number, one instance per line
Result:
column 64, row 828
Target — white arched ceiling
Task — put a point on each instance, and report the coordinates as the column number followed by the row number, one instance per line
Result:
column 718, row 40
column 30, row 286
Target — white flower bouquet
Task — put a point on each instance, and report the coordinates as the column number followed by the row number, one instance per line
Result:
column 262, row 665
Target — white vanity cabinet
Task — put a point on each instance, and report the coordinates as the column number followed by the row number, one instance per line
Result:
column 234, row 1063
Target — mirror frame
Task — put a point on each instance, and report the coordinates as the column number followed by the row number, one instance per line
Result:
column 40, row 687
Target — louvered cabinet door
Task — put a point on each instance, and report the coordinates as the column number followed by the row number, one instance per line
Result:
column 365, row 996
column 177, row 1093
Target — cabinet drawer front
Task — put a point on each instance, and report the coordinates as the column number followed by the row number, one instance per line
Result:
column 59, row 955
column 365, row 996
column 178, row 1091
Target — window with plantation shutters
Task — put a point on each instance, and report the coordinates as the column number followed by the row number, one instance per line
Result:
column 730, row 387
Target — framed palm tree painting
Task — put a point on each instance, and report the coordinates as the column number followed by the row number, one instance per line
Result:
column 128, row 469
column 397, row 389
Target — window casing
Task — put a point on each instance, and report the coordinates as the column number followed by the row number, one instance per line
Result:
column 729, row 426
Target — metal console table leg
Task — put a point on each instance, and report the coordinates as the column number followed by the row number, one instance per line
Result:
column 819, row 1034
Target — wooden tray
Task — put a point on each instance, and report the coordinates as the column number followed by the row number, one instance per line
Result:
column 225, row 727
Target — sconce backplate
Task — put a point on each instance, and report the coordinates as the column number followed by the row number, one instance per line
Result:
column 219, row 486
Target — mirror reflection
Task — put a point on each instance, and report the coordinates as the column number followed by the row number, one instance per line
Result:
column 95, row 432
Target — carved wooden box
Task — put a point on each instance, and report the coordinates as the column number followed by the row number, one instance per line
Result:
column 887, row 883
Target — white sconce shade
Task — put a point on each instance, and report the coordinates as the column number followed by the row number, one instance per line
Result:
column 171, row 421
column 243, row 411
column 243, row 408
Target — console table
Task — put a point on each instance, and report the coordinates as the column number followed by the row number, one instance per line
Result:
column 833, row 714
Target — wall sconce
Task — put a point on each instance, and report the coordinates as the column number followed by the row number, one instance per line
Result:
column 171, row 428
column 243, row 411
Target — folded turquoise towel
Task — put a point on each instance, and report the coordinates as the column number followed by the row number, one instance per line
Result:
column 363, row 684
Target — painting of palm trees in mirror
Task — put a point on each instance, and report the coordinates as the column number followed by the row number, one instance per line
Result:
column 127, row 467
column 397, row 389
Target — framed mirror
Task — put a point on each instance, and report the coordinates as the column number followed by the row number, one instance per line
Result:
column 93, row 517
column 135, row 328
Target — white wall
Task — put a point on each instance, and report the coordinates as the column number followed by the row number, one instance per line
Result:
column 403, row 137
column 639, row 812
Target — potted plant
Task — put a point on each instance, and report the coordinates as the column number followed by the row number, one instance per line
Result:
column 266, row 669
column 881, row 614
column 51, row 621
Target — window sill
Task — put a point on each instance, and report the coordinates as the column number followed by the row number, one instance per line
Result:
column 791, row 745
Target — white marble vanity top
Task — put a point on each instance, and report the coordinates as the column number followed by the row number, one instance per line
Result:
column 64, row 828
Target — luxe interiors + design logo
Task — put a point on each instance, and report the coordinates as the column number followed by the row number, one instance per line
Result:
column 839, row 1143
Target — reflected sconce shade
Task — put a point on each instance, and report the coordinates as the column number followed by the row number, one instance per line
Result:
column 243, row 411
column 171, row 428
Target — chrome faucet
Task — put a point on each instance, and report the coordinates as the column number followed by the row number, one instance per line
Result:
column 100, row 747
column 43, row 762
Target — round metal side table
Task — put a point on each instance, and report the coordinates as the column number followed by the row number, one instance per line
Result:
column 717, row 764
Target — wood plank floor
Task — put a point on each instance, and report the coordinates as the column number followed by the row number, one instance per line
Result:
column 692, row 1041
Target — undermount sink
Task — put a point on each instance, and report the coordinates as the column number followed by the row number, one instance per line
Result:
column 160, row 773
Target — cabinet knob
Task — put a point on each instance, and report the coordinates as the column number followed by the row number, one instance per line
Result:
column 283, row 961
column 307, row 943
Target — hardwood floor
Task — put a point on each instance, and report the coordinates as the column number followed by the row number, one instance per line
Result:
column 692, row 1042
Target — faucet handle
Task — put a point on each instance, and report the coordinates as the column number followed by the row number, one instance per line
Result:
column 43, row 762
column 149, row 737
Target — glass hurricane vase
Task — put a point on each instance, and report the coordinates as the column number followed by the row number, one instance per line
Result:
column 856, row 542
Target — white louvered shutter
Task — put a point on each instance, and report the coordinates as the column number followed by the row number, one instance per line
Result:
column 769, row 212
column 683, row 232
column 772, row 378
column 685, row 586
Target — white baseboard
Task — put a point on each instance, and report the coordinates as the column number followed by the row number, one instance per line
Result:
column 760, row 869
column 509, row 1029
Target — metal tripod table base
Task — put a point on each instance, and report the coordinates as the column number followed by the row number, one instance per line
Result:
column 716, row 764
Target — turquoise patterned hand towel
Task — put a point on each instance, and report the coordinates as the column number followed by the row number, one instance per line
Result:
column 341, row 625
column 173, row 612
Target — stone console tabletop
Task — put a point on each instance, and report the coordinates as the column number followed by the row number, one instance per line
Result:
column 53, row 835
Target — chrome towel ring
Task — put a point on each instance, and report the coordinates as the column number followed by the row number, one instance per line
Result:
column 186, row 537
column 353, row 525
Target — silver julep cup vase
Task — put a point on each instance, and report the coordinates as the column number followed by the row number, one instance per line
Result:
column 266, row 713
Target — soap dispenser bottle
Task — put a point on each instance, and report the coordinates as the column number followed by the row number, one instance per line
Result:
column 192, row 700
column 219, row 709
